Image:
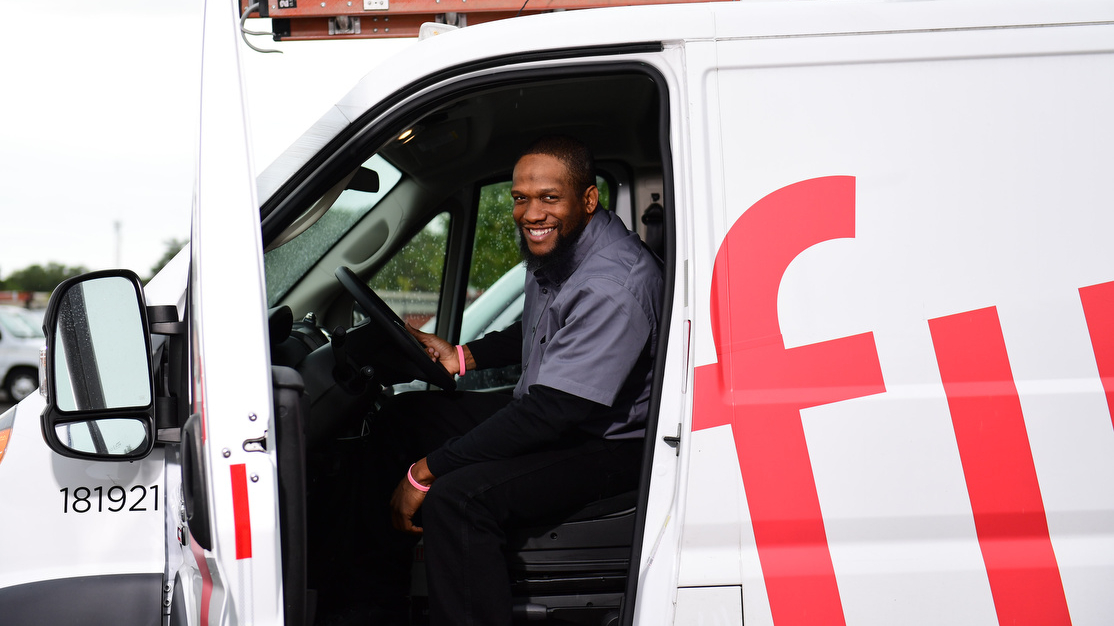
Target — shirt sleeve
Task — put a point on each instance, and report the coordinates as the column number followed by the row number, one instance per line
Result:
column 499, row 348
column 538, row 417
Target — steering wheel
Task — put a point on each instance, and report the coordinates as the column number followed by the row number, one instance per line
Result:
column 394, row 330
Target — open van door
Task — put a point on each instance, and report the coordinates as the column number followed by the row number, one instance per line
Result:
column 231, row 556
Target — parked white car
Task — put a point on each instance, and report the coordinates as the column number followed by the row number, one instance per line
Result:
column 20, row 340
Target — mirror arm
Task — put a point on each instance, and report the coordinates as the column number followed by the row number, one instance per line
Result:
column 170, row 411
column 163, row 320
column 169, row 328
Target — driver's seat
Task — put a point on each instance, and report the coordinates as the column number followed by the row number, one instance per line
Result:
column 574, row 571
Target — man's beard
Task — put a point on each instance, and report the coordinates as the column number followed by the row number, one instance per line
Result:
column 557, row 260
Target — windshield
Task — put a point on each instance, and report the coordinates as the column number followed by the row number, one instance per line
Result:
column 287, row 264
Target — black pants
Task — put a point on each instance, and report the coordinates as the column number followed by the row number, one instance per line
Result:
column 466, row 511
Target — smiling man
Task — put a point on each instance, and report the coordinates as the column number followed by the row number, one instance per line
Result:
column 572, row 432
column 548, row 211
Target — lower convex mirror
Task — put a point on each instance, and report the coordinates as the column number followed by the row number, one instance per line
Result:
column 104, row 437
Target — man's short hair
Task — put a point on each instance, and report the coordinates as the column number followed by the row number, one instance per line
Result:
column 574, row 154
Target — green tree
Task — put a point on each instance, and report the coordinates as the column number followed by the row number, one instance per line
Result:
column 39, row 278
column 496, row 249
column 419, row 264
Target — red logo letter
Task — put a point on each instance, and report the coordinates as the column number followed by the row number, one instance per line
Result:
column 759, row 388
column 998, row 466
column 1098, row 307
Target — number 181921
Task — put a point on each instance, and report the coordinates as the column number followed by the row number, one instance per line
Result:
column 113, row 499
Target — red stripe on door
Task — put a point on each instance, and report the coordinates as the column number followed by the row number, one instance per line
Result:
column 1098, row 308
column 240, row 511
column 998, row 466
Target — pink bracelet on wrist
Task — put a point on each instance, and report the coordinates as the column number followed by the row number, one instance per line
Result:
column 417, row 485
column 460, row 357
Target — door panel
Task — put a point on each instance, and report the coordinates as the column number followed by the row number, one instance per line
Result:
column 230, row 352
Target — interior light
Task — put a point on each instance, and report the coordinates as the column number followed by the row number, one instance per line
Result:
column 406, row 135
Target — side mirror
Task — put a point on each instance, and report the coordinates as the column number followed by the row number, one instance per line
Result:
column 99, row 381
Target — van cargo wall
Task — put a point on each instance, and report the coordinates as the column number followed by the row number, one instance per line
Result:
column 899, row 416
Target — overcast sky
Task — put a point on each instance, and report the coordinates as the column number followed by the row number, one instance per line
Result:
column 98, row 115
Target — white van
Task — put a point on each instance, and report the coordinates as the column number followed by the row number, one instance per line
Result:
column 884, row 387
column 21, row 337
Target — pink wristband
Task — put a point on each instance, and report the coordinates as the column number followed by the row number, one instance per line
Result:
column 417, row 485
column 460, row 357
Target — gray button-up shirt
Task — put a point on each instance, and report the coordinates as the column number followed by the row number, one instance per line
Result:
column 593, row 332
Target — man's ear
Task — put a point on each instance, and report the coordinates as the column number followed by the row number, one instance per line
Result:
column 591, row 199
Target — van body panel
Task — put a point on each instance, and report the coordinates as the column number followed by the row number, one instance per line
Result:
column 67, row 518
column 947, row 142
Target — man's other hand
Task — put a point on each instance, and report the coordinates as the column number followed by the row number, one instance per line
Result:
column 407, row 498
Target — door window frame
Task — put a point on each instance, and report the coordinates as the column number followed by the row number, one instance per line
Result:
column 382, row 122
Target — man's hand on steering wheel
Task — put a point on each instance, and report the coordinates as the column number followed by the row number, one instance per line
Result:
column 438, row 349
